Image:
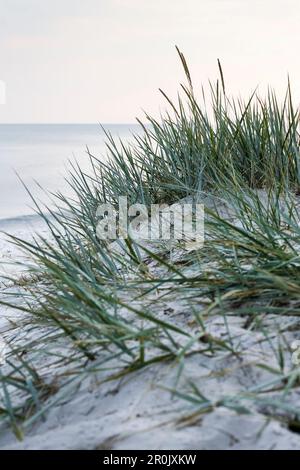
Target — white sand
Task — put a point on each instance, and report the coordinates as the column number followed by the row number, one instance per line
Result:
column 136, row 413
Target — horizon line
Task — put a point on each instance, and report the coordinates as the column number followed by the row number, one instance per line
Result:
column 69, row 123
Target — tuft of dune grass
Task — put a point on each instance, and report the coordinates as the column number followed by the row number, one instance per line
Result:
column 94, row 310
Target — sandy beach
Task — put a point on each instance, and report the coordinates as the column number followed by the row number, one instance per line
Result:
column 149, row 230
column 137, row 411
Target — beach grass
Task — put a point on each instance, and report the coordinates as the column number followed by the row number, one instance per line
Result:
column 98, row 309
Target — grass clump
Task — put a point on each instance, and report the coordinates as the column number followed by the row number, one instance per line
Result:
column 100, row 308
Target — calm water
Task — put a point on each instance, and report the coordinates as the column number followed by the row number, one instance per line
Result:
column 41, row 153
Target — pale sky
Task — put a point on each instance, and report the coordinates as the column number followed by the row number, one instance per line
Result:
column 103, row 60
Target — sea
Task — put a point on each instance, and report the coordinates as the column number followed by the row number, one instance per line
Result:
column 39, row 156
